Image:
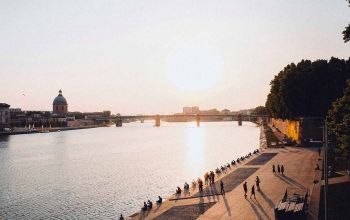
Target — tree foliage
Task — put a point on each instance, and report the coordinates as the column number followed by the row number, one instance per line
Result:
column 338, row 121
column 346, row 32
column 307, row 89
column 260, row 110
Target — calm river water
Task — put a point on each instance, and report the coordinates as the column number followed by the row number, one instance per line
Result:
column 102, row 172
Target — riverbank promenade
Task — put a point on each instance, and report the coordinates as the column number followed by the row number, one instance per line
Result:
column 299, row 164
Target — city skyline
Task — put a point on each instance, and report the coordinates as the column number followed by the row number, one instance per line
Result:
column 156, row 57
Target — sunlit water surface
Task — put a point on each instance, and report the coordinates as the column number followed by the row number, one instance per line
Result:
column 102, row 172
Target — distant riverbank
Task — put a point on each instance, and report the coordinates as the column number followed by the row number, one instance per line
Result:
column 45, row 130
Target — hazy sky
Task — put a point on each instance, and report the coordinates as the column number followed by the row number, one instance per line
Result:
column 158, row 56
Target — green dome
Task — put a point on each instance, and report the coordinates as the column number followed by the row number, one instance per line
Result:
column 60, row 100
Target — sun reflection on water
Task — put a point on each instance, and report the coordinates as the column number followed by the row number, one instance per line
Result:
column 195, row 145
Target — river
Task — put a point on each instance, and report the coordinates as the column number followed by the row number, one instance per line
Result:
column 102, row 172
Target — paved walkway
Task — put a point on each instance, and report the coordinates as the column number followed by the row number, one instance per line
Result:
column 300, row 172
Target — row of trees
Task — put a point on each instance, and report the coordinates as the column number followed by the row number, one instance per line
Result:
column 315, row 89
column 260, row 110
column 307, row 89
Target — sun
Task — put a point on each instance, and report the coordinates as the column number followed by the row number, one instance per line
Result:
column 194, row 67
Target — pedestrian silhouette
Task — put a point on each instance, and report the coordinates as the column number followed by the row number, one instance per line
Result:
column 222, row 190
column 257, row 180
column 245, row 188
column 252, row 192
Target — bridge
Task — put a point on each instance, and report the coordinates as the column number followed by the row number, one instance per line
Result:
column 189, row 117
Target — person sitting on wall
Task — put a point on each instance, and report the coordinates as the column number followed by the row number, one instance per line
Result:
column 186, row 186
column 149, row 204
column 144, row 208
column 160, row 200
column 178, row 190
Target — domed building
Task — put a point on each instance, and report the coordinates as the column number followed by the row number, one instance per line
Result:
column 60, row 105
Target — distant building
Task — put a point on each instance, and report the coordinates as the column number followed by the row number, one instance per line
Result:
column 5, row 117
column 190, row 110
column 15, row 110
column 187, row 110
column 195, row 110
column 225, row 112
column 21, row 118
column 60, row 105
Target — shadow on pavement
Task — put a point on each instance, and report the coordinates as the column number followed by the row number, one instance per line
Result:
column 267, row 199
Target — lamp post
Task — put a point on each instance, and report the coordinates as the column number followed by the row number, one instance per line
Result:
column 325, row 167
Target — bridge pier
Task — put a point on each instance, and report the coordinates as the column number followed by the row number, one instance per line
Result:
column 157, row 121
column 239, row 120
column 198, row 120
column 118, row 122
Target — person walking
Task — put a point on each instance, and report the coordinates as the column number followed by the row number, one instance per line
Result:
column 278, row 169
column 273, row 169
column 206, row 178
column 252, row 192
column 121, row 217
column 222, row 190
column 200, row 185
column 212, row 177
column 282, row 169
column 257, row 181
column 245, row 188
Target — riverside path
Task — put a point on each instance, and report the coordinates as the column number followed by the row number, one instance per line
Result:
column 300, row 172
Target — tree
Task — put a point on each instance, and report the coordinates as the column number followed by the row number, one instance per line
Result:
column 346, row 32
column 260, row 110
column 338, row 121
column 307, row 89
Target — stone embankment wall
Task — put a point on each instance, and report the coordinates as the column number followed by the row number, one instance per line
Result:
column 263, row 141
column 302, row 130
column 81, row 122
column 289, row 128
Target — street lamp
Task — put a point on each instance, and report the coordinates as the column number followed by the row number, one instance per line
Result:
column 325, row 166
